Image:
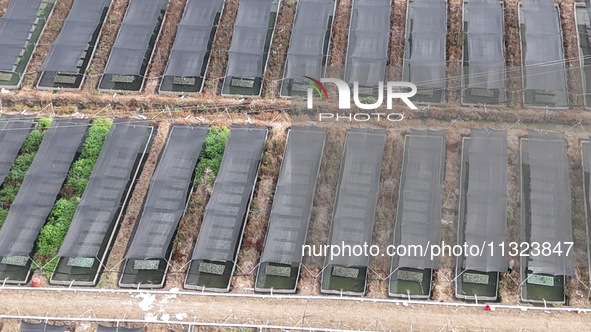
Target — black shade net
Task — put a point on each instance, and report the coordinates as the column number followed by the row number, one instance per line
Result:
column 13, row 132
column 543, row 54
column 103, row 195
column 130, row 48
column 306, row 48
column 30, row 327
column 419, row 214
column 225, row 213
column 190, row 46
column 486, row 199
column 427, row 43
column 168, row 193
column 550, row 202
column 369, row 37
column 294, row 195
column 486, row 45
column 246, row 54
column 74, row 38
column 41, row 186
column 15, row 28
column 357, row 194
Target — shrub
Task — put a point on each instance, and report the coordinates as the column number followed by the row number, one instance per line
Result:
column 212, row 153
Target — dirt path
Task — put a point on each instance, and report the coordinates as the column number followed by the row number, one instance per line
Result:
column 318, row 313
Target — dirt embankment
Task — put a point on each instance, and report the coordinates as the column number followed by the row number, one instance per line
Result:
column 103, row 50
column 154, row 73
column 397, row 39
column 260, row 208
column 278, row 51
column 127, row 227
column 52, row 30
column 385, row 217
column 339, row 40
column 322, row 209
column 219, row 51
column 571, row 52
column 513, row 53
column 455, row 44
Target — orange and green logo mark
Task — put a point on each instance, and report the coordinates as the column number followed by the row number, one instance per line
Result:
column 318, row 87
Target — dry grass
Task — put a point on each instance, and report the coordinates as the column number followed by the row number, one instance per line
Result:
column 340, row 34
column 174, row 13
column 134, row 207
column 571, row 52
column 103, row 50
column 385, row 213
column 278, row 51
column 513, row 53
column 397, row 39
column 3, row 6
column 221, row 45
column 322, row 208
column 455, row 44
column 260, row 208
column 52, row 30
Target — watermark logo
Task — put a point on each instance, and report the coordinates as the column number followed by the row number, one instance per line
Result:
column 344, row 92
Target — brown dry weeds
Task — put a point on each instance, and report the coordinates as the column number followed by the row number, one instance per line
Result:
column 278, row 51
column 455, row 45
column 571, row 52
column 385, row 214
column 513, row 53
column 340, row 34
column 108, row 35
column 134, row 207
column 221, row 45
column 397, row 39
column 174, row 13
column 260, row 209
column 309, row 283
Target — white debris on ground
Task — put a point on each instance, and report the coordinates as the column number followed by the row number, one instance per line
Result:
column 165, row 317
column 165, row 298
column 180, row 316
column 147, row 301
column 174, row 290
column 150, row 317
column 84, row 326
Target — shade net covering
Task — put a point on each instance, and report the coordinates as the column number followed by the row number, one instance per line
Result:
column 30, row 327
column 421, row 196
column 76, row 34
column 550, row 201
column 104, row 193
column 294, row 195
column 357, row 194
column 428, row 26
column 168, row 193
column 486, row 199
column 306, row 48
column 369, row 36
column 130, row 48
column 588, row 6
column 41, row 185
column 486, row 45
column 102, row 328
column 13, row 132
column 246, row 55
column 190, row 46
column 226, row 210
column 15, row 27
column 543, row 53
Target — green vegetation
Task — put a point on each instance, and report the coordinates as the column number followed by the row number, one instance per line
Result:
column 19, row 168
column 211, row 154
column 53, row 233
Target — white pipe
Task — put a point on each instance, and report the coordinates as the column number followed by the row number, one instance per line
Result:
column 295, row 297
